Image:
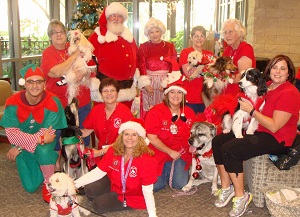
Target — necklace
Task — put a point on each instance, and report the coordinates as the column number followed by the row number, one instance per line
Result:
column 64, row 52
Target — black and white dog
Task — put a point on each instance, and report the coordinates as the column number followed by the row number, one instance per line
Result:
column 203, row 167
column 254, row 88
column 73, row 146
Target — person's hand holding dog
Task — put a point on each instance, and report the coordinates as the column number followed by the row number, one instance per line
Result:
column 245, row 105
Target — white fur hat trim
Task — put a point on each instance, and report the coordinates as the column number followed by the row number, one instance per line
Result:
column 175, row 88
column 22, row 81
column 116, row 8
column 132, row 125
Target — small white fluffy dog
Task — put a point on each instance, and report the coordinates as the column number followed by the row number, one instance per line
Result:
column 194, row 68
column 63, row 200
column 79, row 42
column 203, row 167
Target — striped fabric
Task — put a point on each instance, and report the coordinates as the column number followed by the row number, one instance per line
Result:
column 25, row 140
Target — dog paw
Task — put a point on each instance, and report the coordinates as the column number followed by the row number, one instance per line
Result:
column 239, row 136
column 225, row 131
column 249, row 132
column 186, row 188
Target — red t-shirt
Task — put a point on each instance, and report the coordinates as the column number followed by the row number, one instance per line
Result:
column 50, row 58
column 284, row 98
column 194, row 87
column 244, row 49
column 106, row 130
column 143, row 171
column 158, row 122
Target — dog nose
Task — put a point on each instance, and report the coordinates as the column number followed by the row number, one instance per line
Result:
column 191, row 141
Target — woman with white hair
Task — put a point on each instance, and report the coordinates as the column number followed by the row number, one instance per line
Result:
column 242, row 54
column 153, row 70
column 124, row 177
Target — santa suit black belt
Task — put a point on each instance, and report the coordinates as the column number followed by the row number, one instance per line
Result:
column 124, row 84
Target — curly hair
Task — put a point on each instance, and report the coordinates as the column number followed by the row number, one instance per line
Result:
column 276, row 59
column 198, row 28
column 140, row 148
column 239, row 27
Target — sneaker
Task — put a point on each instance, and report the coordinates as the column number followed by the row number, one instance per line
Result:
column 240, row 205
column 224, row 196
column 45, row 193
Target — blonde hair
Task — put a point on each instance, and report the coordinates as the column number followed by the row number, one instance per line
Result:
column 140, row 148
column 154, row 23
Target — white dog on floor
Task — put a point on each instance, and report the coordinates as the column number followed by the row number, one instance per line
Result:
column 64, row 201
column 79, row 42
column 203, row 167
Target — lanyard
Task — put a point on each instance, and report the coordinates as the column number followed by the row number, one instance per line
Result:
column 124, row 177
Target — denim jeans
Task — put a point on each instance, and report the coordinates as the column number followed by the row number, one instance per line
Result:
column 180, row 176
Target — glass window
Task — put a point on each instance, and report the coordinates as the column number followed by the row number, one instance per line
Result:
column 4, row 35
column 33, row 26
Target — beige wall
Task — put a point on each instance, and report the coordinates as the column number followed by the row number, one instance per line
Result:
column 273, row 27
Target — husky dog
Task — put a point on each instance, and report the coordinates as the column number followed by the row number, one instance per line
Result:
column 203, row 168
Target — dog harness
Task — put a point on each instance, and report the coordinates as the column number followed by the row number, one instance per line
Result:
column 67, row 210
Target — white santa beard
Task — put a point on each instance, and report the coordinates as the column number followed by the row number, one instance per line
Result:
column 116, row 28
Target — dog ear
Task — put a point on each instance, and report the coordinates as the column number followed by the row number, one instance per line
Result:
column 261, row 84
column 71, row 186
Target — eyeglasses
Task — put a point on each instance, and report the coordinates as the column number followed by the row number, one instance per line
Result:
column 38, row 82
column 58, row 33
column 118, row 16
column 229, row 32
column 108, row 91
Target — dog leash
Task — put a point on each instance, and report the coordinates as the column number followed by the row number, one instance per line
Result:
column 84, row 207
column 193, row 190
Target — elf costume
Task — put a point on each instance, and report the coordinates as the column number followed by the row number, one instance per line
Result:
column 24, row 124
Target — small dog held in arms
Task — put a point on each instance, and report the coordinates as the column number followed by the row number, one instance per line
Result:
column 79, row 42
column 216, row 78
column 75, row 164
column 254, row 88
column 64, row 201
column 203, row 167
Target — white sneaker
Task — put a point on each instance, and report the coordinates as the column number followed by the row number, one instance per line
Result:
column 224, row 196
column 240, row 205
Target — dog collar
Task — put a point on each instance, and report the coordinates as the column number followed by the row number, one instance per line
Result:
column 70, row 140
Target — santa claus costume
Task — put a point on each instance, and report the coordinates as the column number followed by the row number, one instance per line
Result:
column 116, row 53
column 152, row 69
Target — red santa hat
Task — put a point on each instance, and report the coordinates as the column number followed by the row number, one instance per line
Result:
column 175, row 78
column 113, row 8
column 28, row 71
column 137, row 125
